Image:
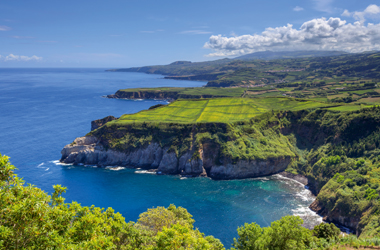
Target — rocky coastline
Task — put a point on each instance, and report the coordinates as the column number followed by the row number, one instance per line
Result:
column 343, row 222
column 204, row 160
column 88, row 150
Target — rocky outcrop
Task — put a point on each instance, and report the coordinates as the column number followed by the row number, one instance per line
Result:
column 100, row 122
column 89, row 151
column 335, row 216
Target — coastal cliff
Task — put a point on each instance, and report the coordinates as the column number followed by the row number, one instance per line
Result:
column 215, row 150
column 88, row 150
column 336, row 216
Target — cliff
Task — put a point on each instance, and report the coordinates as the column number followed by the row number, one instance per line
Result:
column 186, row 149
column 89, row 151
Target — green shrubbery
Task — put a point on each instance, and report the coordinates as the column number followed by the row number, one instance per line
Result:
column 31, row 219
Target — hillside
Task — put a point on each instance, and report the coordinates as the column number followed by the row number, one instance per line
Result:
column 292, row 67
column 270, row 55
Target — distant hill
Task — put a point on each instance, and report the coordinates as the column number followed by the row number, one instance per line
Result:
column 269, row 55
column 296, row 66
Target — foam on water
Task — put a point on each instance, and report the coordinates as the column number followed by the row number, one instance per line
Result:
column 144, row 172
column 57, row 162
column 117, row 168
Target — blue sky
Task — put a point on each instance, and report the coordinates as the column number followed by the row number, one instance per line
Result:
column 129, row 33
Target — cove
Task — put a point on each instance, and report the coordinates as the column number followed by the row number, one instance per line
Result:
column 45, row 109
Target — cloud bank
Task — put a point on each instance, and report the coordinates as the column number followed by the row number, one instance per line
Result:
column 316, row 34
column 18, row 58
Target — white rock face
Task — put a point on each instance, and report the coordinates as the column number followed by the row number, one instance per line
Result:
column 87, row 150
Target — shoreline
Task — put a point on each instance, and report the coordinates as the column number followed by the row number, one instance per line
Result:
column 168, row 100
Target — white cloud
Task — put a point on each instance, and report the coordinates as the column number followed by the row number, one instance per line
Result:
column 316, row 34
column 195, row 32
column 323, row 5
column 12, row 57
column 298, row 8
column 372, row 11
column 4, row 28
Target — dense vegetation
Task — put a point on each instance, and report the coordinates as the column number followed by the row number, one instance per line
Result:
column 32, row 219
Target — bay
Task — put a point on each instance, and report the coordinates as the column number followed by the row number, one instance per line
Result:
column 42, row 110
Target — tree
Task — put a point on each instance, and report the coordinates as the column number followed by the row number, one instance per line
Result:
column 155, row 219
column 286, row 233
column 31, row 219
column 326, row 231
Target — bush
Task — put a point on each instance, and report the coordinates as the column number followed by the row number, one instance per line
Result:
column 326, row 231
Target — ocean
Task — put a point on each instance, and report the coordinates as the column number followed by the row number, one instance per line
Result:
column 42, row 110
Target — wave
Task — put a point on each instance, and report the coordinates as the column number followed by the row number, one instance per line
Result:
column 57, row 162
column 277, row 176
column 116, row 168
column 144, row 172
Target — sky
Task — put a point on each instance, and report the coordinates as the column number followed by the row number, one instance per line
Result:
column 127, row 33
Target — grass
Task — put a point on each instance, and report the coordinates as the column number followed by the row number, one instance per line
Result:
column 346, row 108
column 216, row 110
column 371, row 100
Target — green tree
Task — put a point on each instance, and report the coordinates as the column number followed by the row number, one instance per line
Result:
column 31, row 219
column 286, row 233
column 326, row 231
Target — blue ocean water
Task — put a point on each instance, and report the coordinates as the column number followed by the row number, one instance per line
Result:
column 42, row 110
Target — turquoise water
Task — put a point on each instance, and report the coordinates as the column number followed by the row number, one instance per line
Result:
column 42, row 110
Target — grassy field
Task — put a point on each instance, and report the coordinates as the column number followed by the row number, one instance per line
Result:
column 217, row 110
column 346, row 108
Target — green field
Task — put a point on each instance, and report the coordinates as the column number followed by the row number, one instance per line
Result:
column 346, row 108
column 217, row 110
